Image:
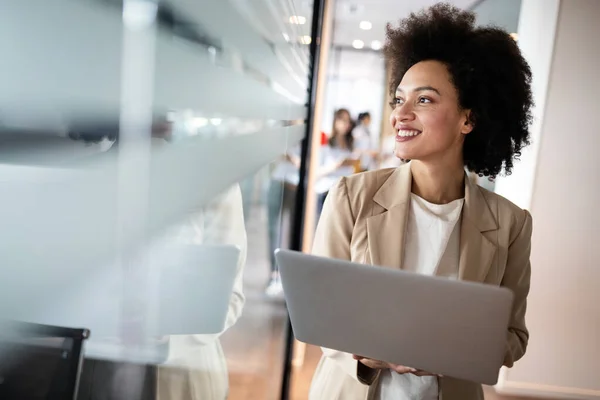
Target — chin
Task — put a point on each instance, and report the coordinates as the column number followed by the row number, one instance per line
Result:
column 404, row 155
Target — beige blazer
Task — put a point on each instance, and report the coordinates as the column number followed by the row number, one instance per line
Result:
column 364, row 220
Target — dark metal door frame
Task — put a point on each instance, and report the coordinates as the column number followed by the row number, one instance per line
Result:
column 299, row 206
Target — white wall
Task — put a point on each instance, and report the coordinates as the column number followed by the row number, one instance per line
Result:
column 537, row 29
column 356, row 81
column 503, row 13
column 563, row 358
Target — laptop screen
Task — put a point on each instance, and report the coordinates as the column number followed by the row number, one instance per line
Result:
column 37, row 368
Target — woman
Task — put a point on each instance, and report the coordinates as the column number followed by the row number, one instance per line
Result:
column 363, row 143
column 461, row 98
column 281, row 196
column 195, row 368
column 336, row 156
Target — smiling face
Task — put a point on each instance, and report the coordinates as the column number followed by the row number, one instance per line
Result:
column 342, row 122
column 429, row 123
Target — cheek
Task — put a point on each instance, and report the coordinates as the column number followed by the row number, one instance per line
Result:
column 439, row 123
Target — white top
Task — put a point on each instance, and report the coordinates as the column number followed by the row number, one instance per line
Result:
column 285, row 171
column 330, row 156
column 363, row 142
column 431, row 248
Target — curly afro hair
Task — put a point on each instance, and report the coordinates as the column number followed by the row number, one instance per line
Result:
column 491, row 76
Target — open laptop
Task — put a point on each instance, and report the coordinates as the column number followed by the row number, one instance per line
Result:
column 190, row 288
column 447, row 327
column 194, row 286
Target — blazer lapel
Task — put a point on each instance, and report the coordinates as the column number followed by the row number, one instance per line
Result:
column 476, row 251
column 385, row 231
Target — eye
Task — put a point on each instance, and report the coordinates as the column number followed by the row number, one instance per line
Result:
column 424, row 100
column 396, row 102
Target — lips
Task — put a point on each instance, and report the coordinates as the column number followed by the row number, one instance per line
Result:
column 408, row 132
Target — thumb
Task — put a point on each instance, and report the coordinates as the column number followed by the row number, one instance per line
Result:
column 403, row 370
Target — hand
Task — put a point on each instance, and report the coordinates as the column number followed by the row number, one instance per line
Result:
column 292, row 159
column 423, row 373
column 399, row 369
column 349, row 162
column 376, row 364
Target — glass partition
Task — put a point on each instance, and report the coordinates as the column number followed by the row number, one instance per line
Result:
column 149, row 155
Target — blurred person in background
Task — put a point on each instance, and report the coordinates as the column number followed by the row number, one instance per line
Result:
column 196, row 367
column 337, row 157
column 363, row 142
column 461, row 97
column 281, row 197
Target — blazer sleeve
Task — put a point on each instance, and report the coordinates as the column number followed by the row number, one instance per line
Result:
column 332, row 239
column 516, row 277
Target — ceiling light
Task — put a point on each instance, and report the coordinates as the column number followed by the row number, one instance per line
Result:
column 297, row 20
column 199, row 122
column 216, row 121
column 515, row 36
column 305, row 39
column 358, row 44
column 376, row 45
column 286, row 37
column 365, row 25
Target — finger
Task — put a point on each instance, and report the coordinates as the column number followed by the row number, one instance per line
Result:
column 375, row 364
column 371, row 363
column 401, row 369
column 425, row 373
column 357, row 357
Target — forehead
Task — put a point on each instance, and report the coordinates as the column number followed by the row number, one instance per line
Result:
column 426, row 73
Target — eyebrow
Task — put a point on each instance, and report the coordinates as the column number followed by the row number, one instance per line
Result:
column 421, row 89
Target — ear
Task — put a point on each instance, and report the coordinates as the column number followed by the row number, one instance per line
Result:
column 468, row 123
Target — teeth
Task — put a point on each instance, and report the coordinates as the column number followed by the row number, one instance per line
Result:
column 404, row 133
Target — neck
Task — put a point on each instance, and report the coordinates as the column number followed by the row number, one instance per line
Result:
column 340, row 140
column 438, row 183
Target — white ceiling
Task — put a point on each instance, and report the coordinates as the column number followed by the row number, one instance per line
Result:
column 271, row 17
column 349, row 14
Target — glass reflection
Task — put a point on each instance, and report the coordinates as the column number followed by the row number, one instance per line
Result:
column 165, row 311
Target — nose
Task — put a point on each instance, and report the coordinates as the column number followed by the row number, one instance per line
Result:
column 402, row 113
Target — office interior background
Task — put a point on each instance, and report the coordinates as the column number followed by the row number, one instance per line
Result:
column 124, row 120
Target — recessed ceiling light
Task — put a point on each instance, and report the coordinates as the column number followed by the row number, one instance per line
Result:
column 286, row 37
column 515, row 36
column 358, row 44
column 297, row 20
column 199, row 122
column 305, row 39
column 376, row 45
column 365, row 25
